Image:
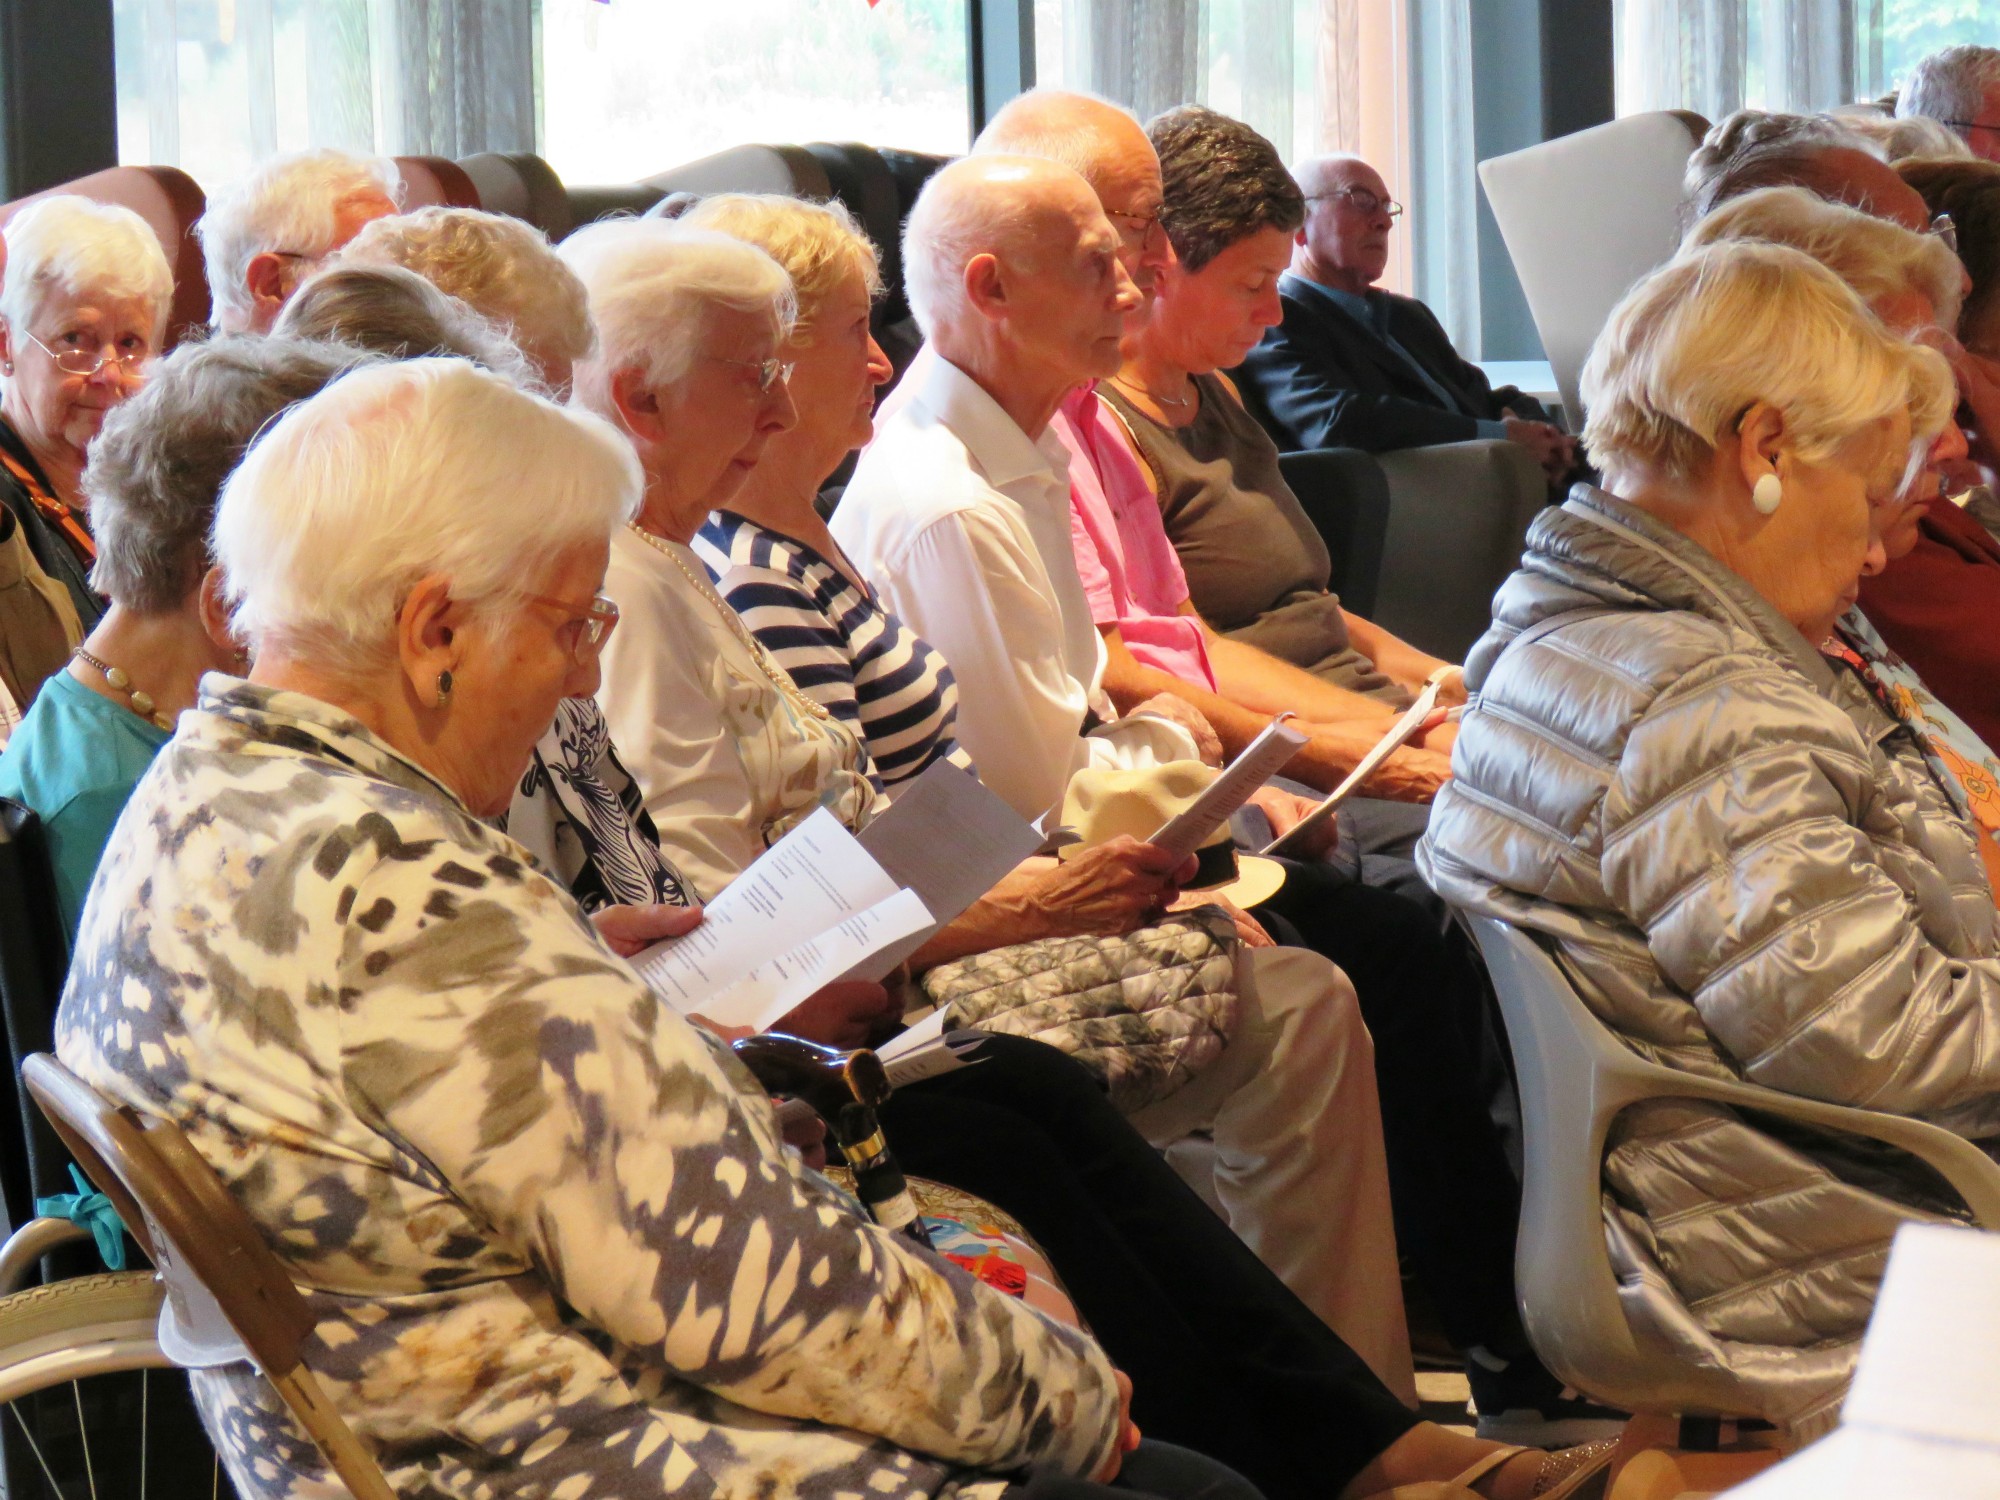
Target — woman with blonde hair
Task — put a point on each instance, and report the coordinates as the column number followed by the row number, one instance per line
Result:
column 1744, row 866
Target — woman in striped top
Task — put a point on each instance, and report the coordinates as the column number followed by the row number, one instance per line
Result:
column 770, row 552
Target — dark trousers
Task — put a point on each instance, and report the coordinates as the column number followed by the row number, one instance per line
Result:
column 1158, row 1470
column 1223, row 1358
column 1457, row 1201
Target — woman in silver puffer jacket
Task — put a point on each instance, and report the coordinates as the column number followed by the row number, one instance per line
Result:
column 1744, row 865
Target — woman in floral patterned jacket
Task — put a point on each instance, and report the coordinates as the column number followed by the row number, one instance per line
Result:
column 549, row 1229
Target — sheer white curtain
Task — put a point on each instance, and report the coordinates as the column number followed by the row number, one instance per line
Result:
column 1715, row 56
column 214, row 86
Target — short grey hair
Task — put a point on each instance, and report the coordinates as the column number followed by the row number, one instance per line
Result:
column 1224, row 182
column 67, row 245
column 1719, row 328
column 1756, row 148
column 1912, row 137
column 388, row 310
column 1875, row 257
column 397, row 472
column 1951, row 84
column 159, row 463
column 289, row 203
column 503, row 269
column 652, row 285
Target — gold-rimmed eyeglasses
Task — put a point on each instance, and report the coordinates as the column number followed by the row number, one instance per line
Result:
column 1139, row 226
column 1362, row 199
column 88, row 362
column 588, row 632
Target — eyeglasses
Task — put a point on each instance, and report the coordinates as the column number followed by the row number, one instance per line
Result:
column 1139, row 226
column 1968, row 125
column 587, row 634
column 769, row 371
column 86, row 363
column 1943, row 227
column 1362, row 199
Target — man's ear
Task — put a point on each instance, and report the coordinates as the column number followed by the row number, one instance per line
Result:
column 986, row 284
column 264, row 279
column 428, row 627
column 637, row 405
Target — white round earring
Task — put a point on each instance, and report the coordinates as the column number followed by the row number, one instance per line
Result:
column 1768, row 495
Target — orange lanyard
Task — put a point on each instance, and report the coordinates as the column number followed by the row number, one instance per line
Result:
column 52, row 508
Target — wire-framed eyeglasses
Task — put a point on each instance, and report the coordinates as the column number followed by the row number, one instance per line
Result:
column 88, row 362
column 769, row 371
column 1945, row 229
column 1363, row 200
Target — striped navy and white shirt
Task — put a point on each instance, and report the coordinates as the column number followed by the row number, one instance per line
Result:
column 867, row 667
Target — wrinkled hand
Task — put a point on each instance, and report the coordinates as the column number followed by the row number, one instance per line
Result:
column 1451, row 688
column 1553, row 449
column 627, row 930
column 1179, row 711
column 845, row 1014
column 1410, row 775
column 1285, row 809
column 1248, row 929
column 1108, row 888
column 716, row 1028
column 1128, row 1431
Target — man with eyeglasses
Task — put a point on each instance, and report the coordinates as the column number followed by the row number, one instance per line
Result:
column 1355, row 367
column 1959, row 87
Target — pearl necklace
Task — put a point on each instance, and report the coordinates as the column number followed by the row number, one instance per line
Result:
column 142, row 703
column 780, row 678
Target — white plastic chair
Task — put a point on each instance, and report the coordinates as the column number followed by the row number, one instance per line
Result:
column 1575, row 1078
column 1584, row 216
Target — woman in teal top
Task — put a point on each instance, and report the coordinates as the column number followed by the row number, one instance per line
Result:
column 153, row 477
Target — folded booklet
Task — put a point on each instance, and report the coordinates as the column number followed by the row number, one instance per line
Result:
column 1400, row 734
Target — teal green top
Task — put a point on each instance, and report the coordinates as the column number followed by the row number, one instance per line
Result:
column 74, row 759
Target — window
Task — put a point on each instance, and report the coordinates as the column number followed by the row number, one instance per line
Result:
column 1895, row 35
column 632, row 87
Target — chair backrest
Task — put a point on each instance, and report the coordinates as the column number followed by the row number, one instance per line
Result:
column 1585, row 216
column 209, row 1254
column 33, row 961
column 1347, row 500
column 749, row 169
column 436, row 182
column 523, row 185
column 172, row 203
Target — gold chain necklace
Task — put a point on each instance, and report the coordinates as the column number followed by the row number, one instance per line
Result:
column 780, row 678
column 142, row 703
column 1132, row 389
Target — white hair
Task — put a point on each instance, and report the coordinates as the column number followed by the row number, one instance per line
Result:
column 1719, row 328
column 652, row 285
column 1909, row 136
column 71, row 246
column 1876, row 257
column 289, row 204
column 398, row 472
column 1950, row 84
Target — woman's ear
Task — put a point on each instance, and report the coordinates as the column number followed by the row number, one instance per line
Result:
column 637, row 404
column 213, row 611
column 6, row 342
column 428, row 627
column 1761, row 444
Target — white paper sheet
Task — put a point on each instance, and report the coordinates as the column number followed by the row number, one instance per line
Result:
column 924, row 1051
column 855, row 947
column 813, row 878
column 1261, row 759
column 1399, row 734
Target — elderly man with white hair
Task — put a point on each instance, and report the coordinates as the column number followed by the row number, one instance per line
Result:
column 1959, row 87
column 83, row 312
column 273, row 229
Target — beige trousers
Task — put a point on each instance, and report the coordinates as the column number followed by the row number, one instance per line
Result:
column 1296, row 1166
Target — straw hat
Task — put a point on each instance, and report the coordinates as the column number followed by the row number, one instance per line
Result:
column 1102, row 803
column 1923, row 1416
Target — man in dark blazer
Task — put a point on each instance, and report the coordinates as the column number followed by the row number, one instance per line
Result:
column 1352, row 367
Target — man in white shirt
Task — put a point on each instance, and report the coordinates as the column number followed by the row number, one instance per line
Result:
column 958, row 514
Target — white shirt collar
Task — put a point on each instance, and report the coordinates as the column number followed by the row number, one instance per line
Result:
column 1004, row 453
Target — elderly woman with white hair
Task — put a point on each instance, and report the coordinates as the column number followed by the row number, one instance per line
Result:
column 501, row 268
column 83, row 312
column 462, row 1122
column 267, row 233
column 1744, row 865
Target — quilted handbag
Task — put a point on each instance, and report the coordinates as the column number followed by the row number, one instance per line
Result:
column 1145, row 1011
